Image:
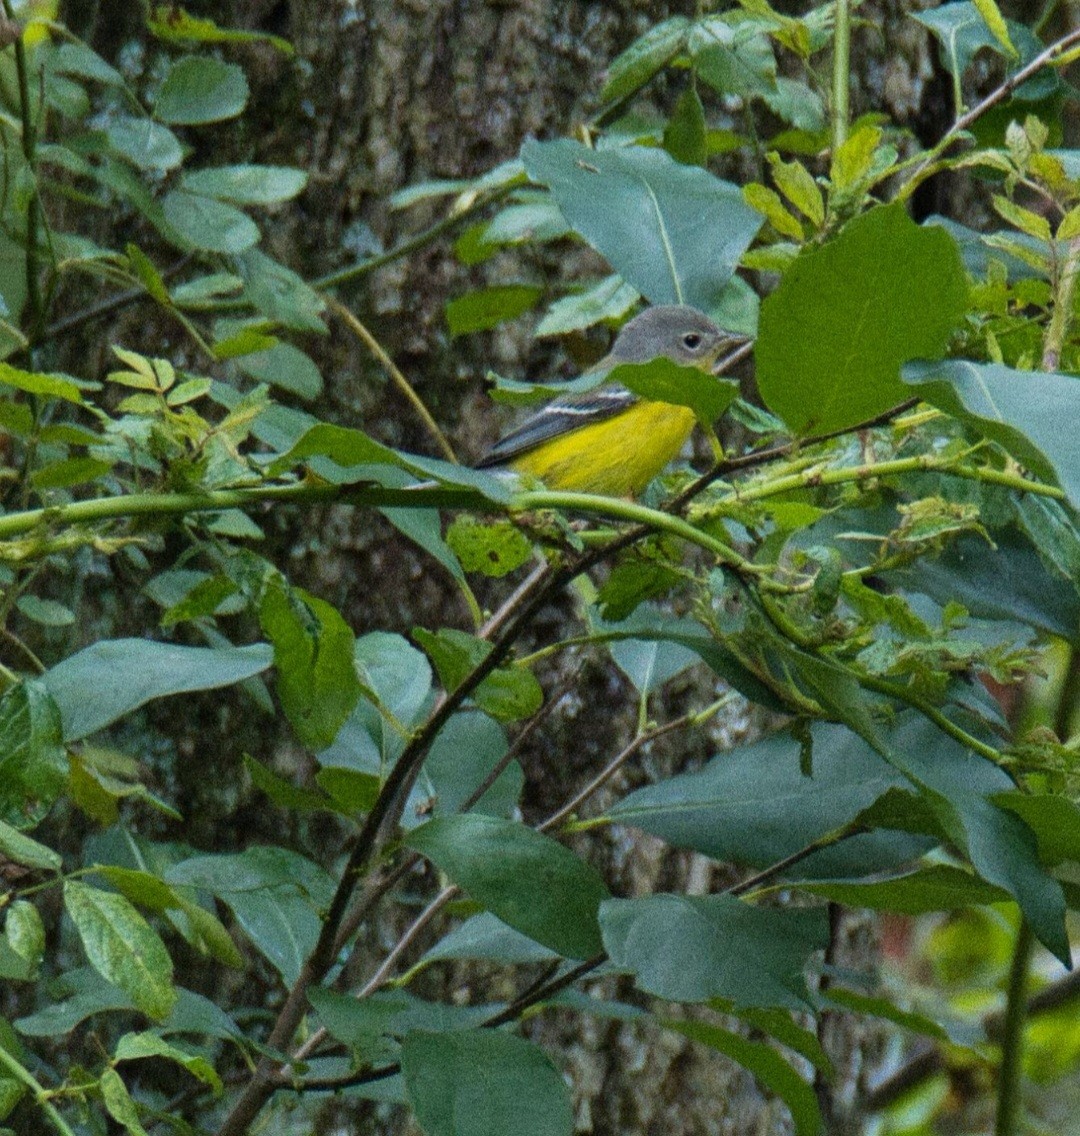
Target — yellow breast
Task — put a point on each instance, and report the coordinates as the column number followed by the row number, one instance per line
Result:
column 615, row 458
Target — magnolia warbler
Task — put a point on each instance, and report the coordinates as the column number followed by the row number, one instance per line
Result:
column 609, row 441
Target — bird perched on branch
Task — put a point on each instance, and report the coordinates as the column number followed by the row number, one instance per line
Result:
column 610, row 441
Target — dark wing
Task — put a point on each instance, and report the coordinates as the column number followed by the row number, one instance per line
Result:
column 559, row 417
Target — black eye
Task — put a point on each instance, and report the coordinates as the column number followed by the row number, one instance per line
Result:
column 691, row 341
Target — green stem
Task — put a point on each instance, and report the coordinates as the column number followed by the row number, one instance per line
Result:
column 1062, row 315
column 40, row 1094
column 1009, row 1097
column 921, row 463
column 841, row 74
column 33, row 209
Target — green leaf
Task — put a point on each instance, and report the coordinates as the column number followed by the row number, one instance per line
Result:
column 531, row 882
column 1006, row 582
column 279, row 293
column 122, row 947
column 70, row 471
column 486, row 308
column 464, row 753
column 695, row 948
column 147, row 145
column 246, row 185
column 753, row 805
column 33, row 763
column 492, row 549
column 664, row 381
column 22, row 849
column 844, row 318
column 199, row 89
column 172, row 24
column 277, row 896
column 118, row 1103
column 963, row 32
column 25, row 932
column 138, row 1046
column 313, row 656
column 673, row 232
column 884, row 1009
column 78, row 59
column 102, row 683
column 610, row 299
column 644, row 58
column 1028, row 413
column 769, row 1069
column 483, row 1083
column 207, row 224
column 488, row 938
column 937, row 888
column 284, row 366
column 48, row 613
column 1054, row 820
column 283, row 792
column 45, row 386
column 684, row 136
column 733, row 58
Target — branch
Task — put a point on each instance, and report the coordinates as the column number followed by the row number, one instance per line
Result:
column 998, row 95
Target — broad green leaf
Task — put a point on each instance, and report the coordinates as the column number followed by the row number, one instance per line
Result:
column 609, row 299
column 486, row 308
column 664, row 381
column 962, row 31
column 208, row 224
column 78, row 59
column 1054, row 820
column 33, row 763
column 1028, row 413
column 119, row 1104
column 246, row 185
column 277, row 896
column 769, row 1069
column 695, row 948
column 733, row 58
column 284, row 366
column 673, row 232
column 644, row 57
column 484, row 1083
column 279, row 293
column 937, row 888
column 529, row 881
column 845, row 316
column 1006, row 582
column 122, row 947
column 753, row 805
column 19, row 848
column 102, row 683
column 313, row 657
column 797, row 184
column 465, row 751
column 200, row 89
column 283, row 792
column 68, row 472
column 145, row 144
column 487, row 937
column 138, row 1046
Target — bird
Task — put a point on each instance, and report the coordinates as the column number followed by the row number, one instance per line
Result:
column 610, row 441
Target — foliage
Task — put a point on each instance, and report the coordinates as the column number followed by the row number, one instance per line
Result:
column 889, row 543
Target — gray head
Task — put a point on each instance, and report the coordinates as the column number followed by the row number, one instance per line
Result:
column 676, row 331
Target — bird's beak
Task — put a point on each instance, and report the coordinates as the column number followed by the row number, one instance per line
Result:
column 733, row 348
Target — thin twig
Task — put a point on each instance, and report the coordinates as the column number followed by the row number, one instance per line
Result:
column 399, row 380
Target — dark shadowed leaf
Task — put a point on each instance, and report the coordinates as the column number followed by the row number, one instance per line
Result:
column 483, row 1083
column 694, row 948
column 100, row 684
